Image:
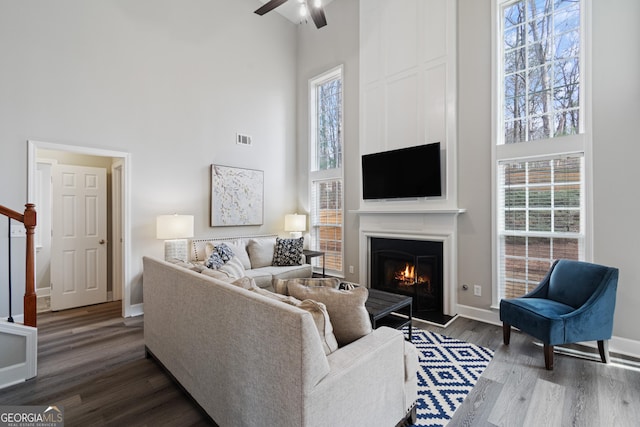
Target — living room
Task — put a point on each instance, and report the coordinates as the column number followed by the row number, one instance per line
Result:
column 171, row 83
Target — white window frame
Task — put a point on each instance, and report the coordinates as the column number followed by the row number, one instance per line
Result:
column 545, row 148
column 327, row 174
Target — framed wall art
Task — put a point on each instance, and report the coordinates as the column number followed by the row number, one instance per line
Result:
column 237, row 196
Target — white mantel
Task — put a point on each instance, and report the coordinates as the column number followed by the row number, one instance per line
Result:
column 438, row 225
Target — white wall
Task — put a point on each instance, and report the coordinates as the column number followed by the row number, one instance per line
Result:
column 474, row 150
column 319, row 51
column 616, row 150
column 168, row 82
column 408, row 86
column 616, row 108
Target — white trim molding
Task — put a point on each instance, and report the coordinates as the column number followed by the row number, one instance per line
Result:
column 32, row 159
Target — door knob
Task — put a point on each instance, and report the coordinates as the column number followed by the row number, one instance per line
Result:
column 102, row 241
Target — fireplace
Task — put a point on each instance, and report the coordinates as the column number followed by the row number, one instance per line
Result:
column 413, row 268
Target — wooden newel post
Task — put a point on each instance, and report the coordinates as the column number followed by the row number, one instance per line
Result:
column 30, row 302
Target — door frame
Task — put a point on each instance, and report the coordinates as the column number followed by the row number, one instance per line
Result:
column 117, row 190
column 128, row 309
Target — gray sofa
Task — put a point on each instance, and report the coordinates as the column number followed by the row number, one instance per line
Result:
column 250, row 360
column 256, row 255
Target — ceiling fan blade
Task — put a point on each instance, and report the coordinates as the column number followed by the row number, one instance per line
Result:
column 317, row 14
column 269, row 6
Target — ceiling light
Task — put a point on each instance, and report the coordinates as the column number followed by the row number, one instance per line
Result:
column 303, row 10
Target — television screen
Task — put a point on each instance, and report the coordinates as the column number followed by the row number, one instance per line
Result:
column 404, row 173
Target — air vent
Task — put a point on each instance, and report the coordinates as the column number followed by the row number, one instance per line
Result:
column 243, row 139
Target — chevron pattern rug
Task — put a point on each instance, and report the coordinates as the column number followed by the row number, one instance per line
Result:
column 449, row 368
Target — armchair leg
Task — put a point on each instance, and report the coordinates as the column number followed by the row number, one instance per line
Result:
column 548, row 357
column 506, row 333
column 603, row 348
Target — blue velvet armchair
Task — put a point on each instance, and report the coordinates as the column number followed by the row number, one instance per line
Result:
column 573, row 303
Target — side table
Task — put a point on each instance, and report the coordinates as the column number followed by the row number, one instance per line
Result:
column 312, row 254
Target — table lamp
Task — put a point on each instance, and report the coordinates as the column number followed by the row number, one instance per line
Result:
column 175, row 230
column 295, row 224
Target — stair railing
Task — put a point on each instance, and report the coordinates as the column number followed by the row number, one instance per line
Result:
column 28, row 218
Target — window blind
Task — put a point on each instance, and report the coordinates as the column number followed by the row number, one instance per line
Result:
column 326, row 221
column 541, row 219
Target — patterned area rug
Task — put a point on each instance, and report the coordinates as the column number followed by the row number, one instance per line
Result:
column 449, row 368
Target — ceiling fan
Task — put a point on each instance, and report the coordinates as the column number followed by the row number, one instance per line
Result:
column 316, row 11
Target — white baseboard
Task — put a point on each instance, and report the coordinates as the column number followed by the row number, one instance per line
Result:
column 43, row 292
column 618, row 345
column 135, row 310
column 479, row 314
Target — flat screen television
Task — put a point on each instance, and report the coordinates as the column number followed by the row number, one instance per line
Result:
column 403, row 173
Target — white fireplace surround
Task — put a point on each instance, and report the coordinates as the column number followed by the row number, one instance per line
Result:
column 425, row 225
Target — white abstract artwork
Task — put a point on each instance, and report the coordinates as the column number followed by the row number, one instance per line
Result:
column 236, row 196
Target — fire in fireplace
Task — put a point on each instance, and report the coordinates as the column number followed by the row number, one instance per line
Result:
column 412, row 268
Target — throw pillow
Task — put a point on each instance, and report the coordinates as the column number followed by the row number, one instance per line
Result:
column 217, row 274
column 277, row 297
column 214, row 261
column 288, row 252
column 346, row 309
column 240, row 250
column 189, row 265
column 348, row 286
column 233, row 268
column 245, row 283
column 281, row 285
column 226, row 253
column 261, row 252
column 323, row 324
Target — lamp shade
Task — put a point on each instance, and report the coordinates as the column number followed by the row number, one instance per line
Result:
column 174, row 227
column 295, row 222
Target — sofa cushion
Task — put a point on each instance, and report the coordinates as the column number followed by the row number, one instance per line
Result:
column 261, row 251
column 288, row 251
column 346, row 309
column 263, row 278
column 304, row 270
column 237, row 246
column 233, row 268
column 281, row 285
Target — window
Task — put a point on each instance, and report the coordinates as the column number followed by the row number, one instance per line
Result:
column 326, row 176
column 541, row 69
column 541, row 144
column 540, row 219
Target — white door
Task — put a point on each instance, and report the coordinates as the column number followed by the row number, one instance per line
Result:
column 79, row 236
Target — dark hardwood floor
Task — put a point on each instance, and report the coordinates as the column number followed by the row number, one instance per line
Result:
column 92, row 362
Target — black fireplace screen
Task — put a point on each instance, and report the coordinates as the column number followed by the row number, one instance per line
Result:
column 409, row 267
